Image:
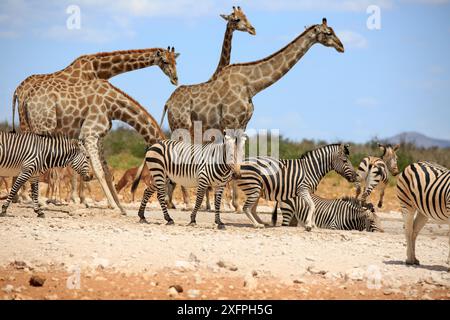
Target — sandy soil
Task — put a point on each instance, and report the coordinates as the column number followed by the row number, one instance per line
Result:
column 95, row 253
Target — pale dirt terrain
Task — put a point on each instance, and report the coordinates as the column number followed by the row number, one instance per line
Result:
column 94, row 253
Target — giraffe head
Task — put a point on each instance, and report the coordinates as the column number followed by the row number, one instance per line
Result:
column 390, row 157
column 342, row 165
column 167, row 62
column 326, row 36
column 238, row 21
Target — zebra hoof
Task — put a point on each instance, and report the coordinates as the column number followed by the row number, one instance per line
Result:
column 41, row 215
column 192, row 224
column 3, row 214
column 221, row 226
column 308, row 229
column 170, row 222
column 380, row 205
column 143, row 220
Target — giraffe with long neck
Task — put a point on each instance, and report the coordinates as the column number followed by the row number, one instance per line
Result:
column 225, row 102
column 237, row 20
column 78, row 102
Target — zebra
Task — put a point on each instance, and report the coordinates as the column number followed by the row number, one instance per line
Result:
column 374, row 171
column 205, row 165
column 278, row 180
column 338, row 214
column 423, row 190
column 27, row 155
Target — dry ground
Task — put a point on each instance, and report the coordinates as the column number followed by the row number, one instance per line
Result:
column 93, row 253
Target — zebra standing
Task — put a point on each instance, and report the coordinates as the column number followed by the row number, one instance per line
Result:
column 374, row 170
column 27, row 155
column 192, row 165
column 424, row 192
column 278, row 180
column 338, row 214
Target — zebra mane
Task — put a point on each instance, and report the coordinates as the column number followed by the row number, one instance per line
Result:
column 307, row 153
column 359, row 203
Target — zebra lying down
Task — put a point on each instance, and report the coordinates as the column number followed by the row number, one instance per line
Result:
column 27, row 155
column 338, row 214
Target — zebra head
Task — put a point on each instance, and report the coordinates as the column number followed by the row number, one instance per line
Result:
column 80, row 162
column 390, row 157
column 373, row 222
column 234, row 142
column 342, row 165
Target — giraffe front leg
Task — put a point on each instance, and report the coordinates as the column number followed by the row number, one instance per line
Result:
column 35, row 197
column 91, row 144
column 217, row 203
column 311, row 208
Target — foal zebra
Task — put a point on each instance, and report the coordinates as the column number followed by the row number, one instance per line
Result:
column 424, row 192
column 191, row 165
column 374, row 170
column 27, row 155
column 338, row 214
column 278, row 180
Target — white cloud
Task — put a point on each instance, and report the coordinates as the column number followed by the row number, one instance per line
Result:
column 352, row 39
column 366, row 102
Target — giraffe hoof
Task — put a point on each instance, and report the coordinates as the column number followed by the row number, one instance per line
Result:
column 170, row 222
column 221, row 226
column 412, row 262
column 143, row 220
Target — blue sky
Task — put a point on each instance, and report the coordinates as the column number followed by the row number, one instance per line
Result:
column 387, row 81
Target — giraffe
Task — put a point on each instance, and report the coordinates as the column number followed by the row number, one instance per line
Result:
column 237, row 20
column 225, row 101
column 79, row 102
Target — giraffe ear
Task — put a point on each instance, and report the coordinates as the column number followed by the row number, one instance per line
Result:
column 225, row 17
column 177, row 55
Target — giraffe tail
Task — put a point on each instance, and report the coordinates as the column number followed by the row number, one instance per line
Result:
column 163, row 116
column 14, row 102
column 138, row 176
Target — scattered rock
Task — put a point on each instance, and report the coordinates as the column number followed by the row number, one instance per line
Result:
column 177, row 287
column 8, row 288
column 355, row 274
column 250, row 282
column 20, row 265
column 299, row 281
column 172, row 292
column 314, row 270
column 193, row 293
column 36, row 281
column 227, row 265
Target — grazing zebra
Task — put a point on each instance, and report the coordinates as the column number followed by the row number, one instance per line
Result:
column 192, row 165
column 27, row 155
column 278, row 180
column 374, row 170
column 423, row 189
column 338, row 214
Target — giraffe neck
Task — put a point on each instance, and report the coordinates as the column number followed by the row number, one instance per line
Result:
column 263, row 73
column 109, row 64
column 225, row 56
column 131, row 112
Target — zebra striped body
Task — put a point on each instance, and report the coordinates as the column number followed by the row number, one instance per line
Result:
column 374, row 172
column 279, row 180
column 423, row 190
column 28, row 155
column 338, row 214
column 190, row 165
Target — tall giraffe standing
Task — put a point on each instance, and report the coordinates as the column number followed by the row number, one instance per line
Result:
column 79, row 102
column 225, row 101
column 236, row 21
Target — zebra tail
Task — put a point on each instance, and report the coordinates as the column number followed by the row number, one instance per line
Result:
column 275, row 214
column 138, row 176
column 163, row 116
column 14, row 102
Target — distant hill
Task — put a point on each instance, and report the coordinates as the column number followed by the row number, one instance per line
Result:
column 419, row 140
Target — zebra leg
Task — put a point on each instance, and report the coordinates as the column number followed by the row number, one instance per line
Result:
column 311, row 208
column 419, row 222
column 249, row 203
column 147, row 195
column 235, row 197
column 35, row 196
column 217, row 202
column 162, row 202
column 23, row 177
column 409, row 225
column 382, row 190
column 201, row 189
column 170, row 189
column 207, row 202
column 187, row 206
column 255, row 214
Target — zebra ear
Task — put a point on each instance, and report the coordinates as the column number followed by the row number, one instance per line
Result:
column 396, row 147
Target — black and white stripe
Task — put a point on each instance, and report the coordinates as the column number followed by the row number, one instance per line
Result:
column 423, row 190
column 338, row 214
column 192, row 165
column 27, row 155
column 278, row 180
column 374, row 172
